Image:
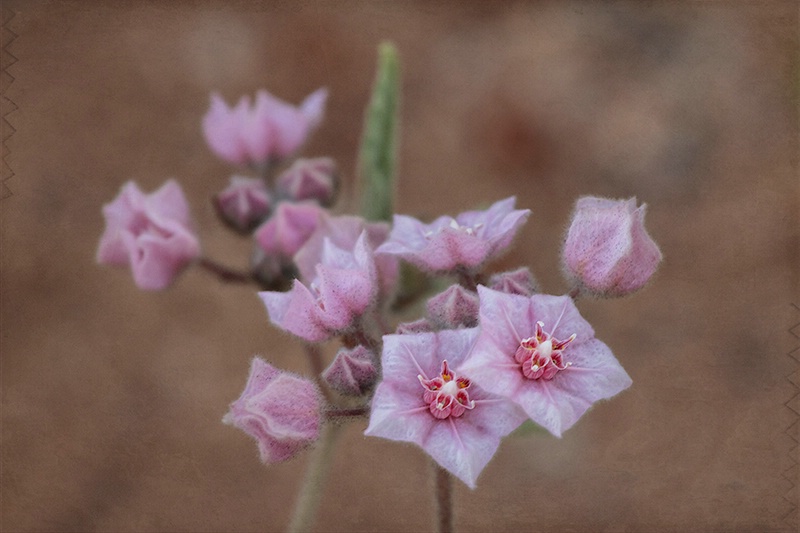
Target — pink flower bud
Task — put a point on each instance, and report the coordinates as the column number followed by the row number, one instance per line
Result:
column 310, row 179
column 352, row 372
column 269, row 129
column 151, row 233
column 519, row 281
column 454, row 308
column 280, row 410
column 607, row 249
column 423, row 325
column 288, row 228
column 244, row 204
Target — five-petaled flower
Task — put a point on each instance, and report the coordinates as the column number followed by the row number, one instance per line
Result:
column 151, row 233
column 462, row 243
column 541, row 354
column 269, row 129
column 426, row 399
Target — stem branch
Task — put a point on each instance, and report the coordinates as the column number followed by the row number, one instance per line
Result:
column 224, row 273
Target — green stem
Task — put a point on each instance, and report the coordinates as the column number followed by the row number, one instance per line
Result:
column 305, row 509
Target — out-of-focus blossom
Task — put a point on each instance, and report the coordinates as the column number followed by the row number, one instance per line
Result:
column 151, row 233
column 426, row 399
column 269, row 129
column 344, row 288
column 448, row 244
column 352, row 371
column 343, row 231
column 279, row 409
column 541, row 354
column 309, row 179
column 607, row 249
column 244, row 203
column 423, row 325
column 288, row 229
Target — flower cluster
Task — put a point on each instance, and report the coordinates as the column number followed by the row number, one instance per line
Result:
column 492, row 350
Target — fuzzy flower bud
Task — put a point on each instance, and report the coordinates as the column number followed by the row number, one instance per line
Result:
column 607, row 249
column 454, row 308
column 280, row 410
column 423, row 325
column 310, row 179
column 151, row 233
column 352, row 372
column 244, row 204
column 519, row 281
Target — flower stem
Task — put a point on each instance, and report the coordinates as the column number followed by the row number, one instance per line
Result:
column 305, row 509
column 333, row 414
column 444, row 500
column 314, row 356
column 224, row 273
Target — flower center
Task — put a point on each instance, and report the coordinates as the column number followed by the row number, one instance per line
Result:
column 541, row 356
column 469, row 230
column 446, row 394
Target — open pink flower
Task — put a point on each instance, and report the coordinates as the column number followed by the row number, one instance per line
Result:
column 607, row 249
column 343, row 231
column 280, row 410
column 541, row 354
column 425, row 398
column 344, row 288
column 464, row 242
column 151, row 233
column 269, row 129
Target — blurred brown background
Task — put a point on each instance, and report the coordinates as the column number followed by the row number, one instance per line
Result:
column 112, row 398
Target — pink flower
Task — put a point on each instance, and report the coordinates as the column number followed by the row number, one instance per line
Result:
column 267, row 130
column 244, row 204
column 343, row 231
column 519, row 281
column 288, row 229
column 309, row 179
column 464, row 242
column 425, row 398
column 151, row 233
column 454, row 308
column 541, row 354
column 280, row 410
column 607, row 248
column 344, row 288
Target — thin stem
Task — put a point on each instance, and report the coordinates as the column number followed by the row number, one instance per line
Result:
column 444, row 500
column 468, row 280
column 224, row 273
column 314, row 356
column 305, row 509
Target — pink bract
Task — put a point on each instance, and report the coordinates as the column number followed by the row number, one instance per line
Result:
column 465, row 242
column 425, row 398
column 607, row 249
column 280, row 410
column 344, row 288
column 151, row 233
column 268, row 129
column 541, row 354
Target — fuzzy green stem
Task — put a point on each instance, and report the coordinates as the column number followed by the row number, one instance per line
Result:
column 444, row 500
column 305, row 509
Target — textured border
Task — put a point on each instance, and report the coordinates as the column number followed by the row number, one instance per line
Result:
column 793, row 404
column 6, row 79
